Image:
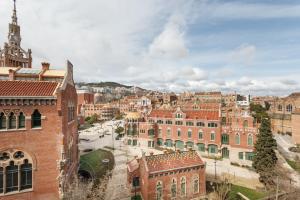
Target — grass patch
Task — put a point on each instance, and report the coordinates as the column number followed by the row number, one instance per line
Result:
column 138, row 197
column 92, row 162
column 295, row 165
column 250, row 193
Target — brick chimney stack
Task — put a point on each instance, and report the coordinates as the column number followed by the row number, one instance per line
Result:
column 12, row 74
column 45, row 66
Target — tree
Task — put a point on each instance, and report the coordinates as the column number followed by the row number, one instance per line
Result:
column 119, row 130
column 258, row 111
column 265, row 158
column 92, row 119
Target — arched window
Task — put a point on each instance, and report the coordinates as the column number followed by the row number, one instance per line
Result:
column 189, row 133
column 200, row 135
column 17, row 173
column 196, row 184
column 12, row 177
column 159, row 191
column 289, row 108
column 21, row 120
column 2, row 121
column 26, row 175
column 178, row 132
column 12, row 120
column 173, row 188
column 183, row 186
column 245, row 124
column 279, row 107
column 237, row 138
column 36, row 119
column 212, row 136
column 1, row 180
column 250, row 140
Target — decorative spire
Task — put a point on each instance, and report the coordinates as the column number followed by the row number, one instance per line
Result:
column 14, row 16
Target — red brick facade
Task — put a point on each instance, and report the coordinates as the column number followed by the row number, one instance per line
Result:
column 50, row 148
column 178, row 175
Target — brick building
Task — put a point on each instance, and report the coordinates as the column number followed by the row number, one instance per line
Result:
column 38, row 134
column 228, row 133
column 284, row 115
column 178, row 175
column 38, row 126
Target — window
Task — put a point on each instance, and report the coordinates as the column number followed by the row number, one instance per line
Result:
column 169, row 122
column 151, row 132
column 183, row 186
column 200, row 124
column 279, row 107
column 190, row 123
column 71, row 112
column 212, row 125
column 196, row 185
column 245, row 124
column 21, row 120
column 241, row 155
column 160, row 142
column 225, row 139
column 159, row 191
column 36, row 119
column 200, row 135
column 178, row 132
column 160, row 132
column 237, row 138
column 26, row 175
column 201, row 147
column 129, row 142
column 250, row 140
column 136, row 182
column 160, row 121
column 173, row 188
column 2, row 121
column 178, row 115
column 212, row 136
column 212, row 148
column 1, row 180
column 249, row 156
column 11, row 177
column 168, row 132
column 179, row 123
column 289, row 108
column 189, row 133
column 12, row 121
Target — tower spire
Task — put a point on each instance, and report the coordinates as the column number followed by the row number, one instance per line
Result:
column 14, row 16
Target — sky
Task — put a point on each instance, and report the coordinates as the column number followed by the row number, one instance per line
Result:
column 248, row 46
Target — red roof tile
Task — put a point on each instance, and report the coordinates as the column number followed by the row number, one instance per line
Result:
column 190, row 114
column 27, row 88
column 171, row 161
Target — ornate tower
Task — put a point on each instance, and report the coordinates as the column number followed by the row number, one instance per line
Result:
column 13, row 55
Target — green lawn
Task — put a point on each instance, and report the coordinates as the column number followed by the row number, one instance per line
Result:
column 92, row 162
column 138, row 197
column 294, row 165
column 250, row 193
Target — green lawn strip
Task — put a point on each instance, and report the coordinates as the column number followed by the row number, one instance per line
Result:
column 250, row 193
column 294, row 165
column 138, row 197
column 92, row 162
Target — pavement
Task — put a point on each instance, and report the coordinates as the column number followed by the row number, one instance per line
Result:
column 283, row 144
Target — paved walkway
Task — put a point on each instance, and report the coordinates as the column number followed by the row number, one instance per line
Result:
column 116, row 188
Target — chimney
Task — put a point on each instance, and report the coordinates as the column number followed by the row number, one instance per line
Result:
column 151, row 153
column 45, row 66
column 12, row 74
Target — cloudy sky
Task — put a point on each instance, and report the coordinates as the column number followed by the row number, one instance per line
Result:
column 250, row 46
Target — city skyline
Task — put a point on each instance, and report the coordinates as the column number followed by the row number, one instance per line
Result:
column 249, row 47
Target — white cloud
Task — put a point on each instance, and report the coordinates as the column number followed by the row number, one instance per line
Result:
column 170, row 43
column 244, row 54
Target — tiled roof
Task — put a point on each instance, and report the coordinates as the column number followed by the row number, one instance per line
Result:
column 27, row 88
column 190, row 114
column 169, row 161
